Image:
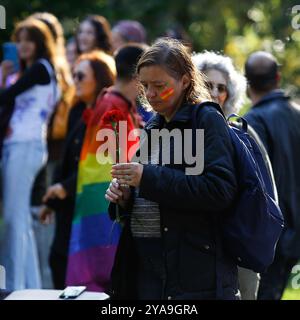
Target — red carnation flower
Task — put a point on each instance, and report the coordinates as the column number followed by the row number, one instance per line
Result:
column 112, row 117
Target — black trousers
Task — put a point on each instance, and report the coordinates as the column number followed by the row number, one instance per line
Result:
column 58, row 264
column 274, row 281
column 151, row 270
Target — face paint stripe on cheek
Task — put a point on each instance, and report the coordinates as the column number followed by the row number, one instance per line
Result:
column 167, row 93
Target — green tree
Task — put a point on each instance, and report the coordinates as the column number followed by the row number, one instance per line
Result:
column 233, row 27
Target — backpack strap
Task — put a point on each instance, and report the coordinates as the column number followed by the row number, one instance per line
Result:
column 52, row 75
column 240, row 119
column 195, row 111
column 217, row 106
column 207, row 103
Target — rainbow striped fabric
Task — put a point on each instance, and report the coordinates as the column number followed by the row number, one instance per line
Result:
column 94, row 237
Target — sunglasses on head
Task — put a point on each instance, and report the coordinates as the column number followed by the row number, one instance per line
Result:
column 79, row 76
column 222, row 88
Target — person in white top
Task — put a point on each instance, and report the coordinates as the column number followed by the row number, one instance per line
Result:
column 27, row 105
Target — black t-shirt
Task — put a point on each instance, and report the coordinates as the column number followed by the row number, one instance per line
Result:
column 36, row 74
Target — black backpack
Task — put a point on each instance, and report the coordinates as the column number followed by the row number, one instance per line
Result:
column 251, row 231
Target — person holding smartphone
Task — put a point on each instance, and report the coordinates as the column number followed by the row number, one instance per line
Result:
column 27, row 105
column 10, row 64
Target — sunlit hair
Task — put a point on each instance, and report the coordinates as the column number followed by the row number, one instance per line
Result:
column 235, row 81
column 175, row 59
column 38, row 33
column 64, row 76
column 104, row 69
column 55, row 28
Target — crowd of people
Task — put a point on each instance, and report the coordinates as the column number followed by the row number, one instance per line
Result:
column 136, row 230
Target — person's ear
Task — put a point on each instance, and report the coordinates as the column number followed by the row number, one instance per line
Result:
column 185, row 81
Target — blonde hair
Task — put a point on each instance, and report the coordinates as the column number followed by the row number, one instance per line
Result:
column 62, row 67
column 175, row 59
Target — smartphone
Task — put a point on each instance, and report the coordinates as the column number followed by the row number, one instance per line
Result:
column 72, row 292
column 10, row 52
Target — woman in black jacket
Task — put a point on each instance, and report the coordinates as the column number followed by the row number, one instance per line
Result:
column 170, row 247
column 92, row 72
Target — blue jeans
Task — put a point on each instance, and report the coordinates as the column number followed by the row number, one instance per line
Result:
column 20, row 164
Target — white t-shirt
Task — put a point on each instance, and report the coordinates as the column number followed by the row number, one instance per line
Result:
column 33, row 109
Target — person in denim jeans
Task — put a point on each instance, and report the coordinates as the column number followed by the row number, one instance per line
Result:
column 19, row 244
column 24, row 150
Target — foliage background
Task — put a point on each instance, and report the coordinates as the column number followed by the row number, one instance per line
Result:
column 235, row 27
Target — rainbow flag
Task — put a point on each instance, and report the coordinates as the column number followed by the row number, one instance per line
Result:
column 94, row 237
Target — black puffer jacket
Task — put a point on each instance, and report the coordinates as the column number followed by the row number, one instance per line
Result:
column 190, row 208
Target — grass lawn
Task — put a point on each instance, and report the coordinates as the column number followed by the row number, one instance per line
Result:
column 291, row 294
